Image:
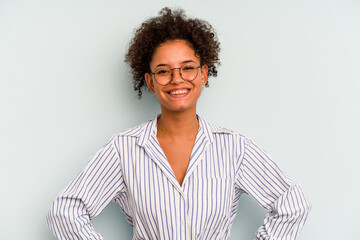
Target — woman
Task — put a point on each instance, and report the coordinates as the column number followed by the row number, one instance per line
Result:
column 178, row 176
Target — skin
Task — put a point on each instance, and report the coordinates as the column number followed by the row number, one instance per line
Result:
column 178, row 125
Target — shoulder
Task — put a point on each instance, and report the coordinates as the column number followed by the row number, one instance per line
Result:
column 137, row 133
column 137, row 130
column 224, row 136
column 227, row 140
column 219, row 130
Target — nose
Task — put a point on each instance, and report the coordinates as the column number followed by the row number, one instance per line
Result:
column 175, row 76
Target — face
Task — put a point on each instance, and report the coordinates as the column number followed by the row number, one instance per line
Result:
column 178, row 95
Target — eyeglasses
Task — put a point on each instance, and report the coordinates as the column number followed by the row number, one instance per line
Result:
column 164, row 74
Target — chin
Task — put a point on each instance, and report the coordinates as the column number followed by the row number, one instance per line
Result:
column 178, row 108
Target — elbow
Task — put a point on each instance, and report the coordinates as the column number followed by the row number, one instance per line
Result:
column 52, row 217
column 305, row 205
column 301, row 205
column 56, row 218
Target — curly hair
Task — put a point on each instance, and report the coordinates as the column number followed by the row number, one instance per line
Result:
column 171, row 25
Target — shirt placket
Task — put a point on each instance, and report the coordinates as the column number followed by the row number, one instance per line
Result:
column 185, row 221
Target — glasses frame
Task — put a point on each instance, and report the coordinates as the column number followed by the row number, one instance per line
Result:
column 172, row 75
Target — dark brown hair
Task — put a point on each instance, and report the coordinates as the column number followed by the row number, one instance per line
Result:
column 171, row 25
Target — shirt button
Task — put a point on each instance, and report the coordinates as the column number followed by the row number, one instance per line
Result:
column 183, row 222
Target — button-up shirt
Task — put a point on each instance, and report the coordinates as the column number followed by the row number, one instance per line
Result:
column 132, row 170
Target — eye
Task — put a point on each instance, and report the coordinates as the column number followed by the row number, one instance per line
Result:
column 188, row 68
column 162, row 72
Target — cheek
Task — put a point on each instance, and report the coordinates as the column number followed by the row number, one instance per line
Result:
column 158, row 92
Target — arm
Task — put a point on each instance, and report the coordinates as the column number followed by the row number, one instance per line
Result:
column 87, row 196
column 261, row 178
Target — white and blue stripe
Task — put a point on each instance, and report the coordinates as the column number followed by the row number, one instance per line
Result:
column 132, row 170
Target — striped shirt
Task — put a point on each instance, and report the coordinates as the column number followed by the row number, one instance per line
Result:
column 132, row 170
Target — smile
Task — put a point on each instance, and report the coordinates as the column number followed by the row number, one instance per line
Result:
column 179, row 92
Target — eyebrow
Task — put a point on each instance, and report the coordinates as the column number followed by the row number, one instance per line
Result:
column 162, row 64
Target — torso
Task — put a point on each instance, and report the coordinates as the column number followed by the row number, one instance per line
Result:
column 178, row 154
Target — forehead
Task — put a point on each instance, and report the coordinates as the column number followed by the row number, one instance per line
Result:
column 173, row 52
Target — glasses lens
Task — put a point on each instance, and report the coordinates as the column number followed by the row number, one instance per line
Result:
column 189, row 71
column 163, row 75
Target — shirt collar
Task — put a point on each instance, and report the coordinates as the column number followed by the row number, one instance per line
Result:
column 144, row 131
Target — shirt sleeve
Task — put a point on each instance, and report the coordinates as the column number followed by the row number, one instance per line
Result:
column 87, row 196
column 285, row 201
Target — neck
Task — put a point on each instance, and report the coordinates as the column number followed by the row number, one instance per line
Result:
column 178, row 124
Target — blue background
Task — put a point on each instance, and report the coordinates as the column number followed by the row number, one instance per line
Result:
column 289, row 79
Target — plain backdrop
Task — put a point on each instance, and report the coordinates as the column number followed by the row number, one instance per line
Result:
column 290, row 79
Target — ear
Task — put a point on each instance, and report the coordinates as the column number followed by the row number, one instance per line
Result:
column 204, row 74
column 149, row 82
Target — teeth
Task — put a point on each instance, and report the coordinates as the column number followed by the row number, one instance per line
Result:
column 181, row 91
